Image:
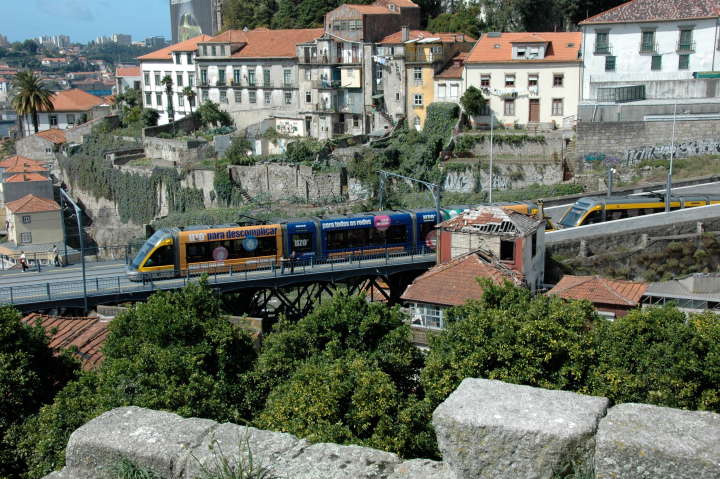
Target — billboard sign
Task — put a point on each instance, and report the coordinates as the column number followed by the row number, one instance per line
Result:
column 190, row 18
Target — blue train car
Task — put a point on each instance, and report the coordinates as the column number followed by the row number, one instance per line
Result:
column 301, row 236
column 366, row 233
column 425, row 236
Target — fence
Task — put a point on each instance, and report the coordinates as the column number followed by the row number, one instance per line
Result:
column 216, row 274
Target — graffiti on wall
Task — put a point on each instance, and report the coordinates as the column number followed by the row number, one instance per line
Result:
column 459, row 182
column 288, row 127
column 681, row 150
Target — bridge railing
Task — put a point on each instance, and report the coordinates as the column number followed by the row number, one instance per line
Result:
column 217, row 274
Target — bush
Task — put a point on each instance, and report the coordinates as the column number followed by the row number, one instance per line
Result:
column 473, row 101
column 440, row 120
column 150, row 117
column 239, row 152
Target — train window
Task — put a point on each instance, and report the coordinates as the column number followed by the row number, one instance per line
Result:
column 649, row 211
column 163, row 256
column 301, row 242
column 507, row 250
column 616, row 215
column 593, row 217
column 366, row 237
column 396, row 234
column 425, row 229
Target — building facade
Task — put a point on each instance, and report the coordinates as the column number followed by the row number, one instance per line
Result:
column 528, row 78
column 33, row 220
column 178, row 62
column 127, row 77
column 71, row 107
column 651, row 49
column 416, row 56
column 254, row 76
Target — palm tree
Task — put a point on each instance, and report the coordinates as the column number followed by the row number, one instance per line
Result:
column 190, row 95
column 167, row 81
column 31, row 96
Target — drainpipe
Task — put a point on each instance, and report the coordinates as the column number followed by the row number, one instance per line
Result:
column 717, row 20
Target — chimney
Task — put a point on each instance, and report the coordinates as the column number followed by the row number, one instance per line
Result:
column 405, row 35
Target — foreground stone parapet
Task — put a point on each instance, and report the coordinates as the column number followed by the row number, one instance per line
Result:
column 490, row 429
column 639, row 441
column 178, row 448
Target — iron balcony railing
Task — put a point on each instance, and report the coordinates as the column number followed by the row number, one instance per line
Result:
column 43, row 292
column 649, row 47
column 685, row 46
column 602, row 48
column 329, row 60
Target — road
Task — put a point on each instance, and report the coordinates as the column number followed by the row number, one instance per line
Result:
column 556, row 212
column 70, row 273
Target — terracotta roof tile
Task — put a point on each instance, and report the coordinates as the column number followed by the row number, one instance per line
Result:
column 127, row 72
column 32, row 204
column 398, row 3
column 26, row 167
column 657, row 10
column 22, row 177
column 453, row 283
column 454, row 68
column 166, row 53
column 499, row 49
column 87, row 334
column 447, row 37
column 17, row 159
column 54, row 135
column 372, row 9
column 265, row 43
column 599, row 290
column 75, row 100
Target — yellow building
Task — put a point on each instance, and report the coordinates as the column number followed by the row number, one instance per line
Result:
column 33, row 220
column 422, row 54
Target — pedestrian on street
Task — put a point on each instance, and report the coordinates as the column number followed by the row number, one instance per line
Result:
column 293, row 256
column 23, row 261
column 56, row 256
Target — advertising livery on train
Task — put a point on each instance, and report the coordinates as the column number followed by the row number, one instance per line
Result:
column 172, row 252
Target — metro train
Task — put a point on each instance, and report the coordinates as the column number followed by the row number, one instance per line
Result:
column 172, row 252
column 591, row 210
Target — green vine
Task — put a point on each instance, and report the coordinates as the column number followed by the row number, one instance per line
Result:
column 138, row 197
column 465, row 143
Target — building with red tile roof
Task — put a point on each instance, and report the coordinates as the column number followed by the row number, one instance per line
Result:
column 20, row 164
column 33, row 220
column 166, row 54
column 22, row 177
column 86, row 334
column 641, row 11
column 127, row 77
column 611, row 298
column 454, row 283
column 529, row 77
column 53, row 135
column 71, row 107
column 17, row 159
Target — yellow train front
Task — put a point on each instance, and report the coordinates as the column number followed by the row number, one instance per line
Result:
column 172, row 252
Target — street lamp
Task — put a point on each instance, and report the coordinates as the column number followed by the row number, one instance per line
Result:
column 78, row 216
column 512, row 95
column 668, row 185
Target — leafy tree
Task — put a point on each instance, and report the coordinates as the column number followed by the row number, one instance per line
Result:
column 473, row 101
column 658, row 356
column 31, row 96
column 512, row 336
column 150, row 117
column 464, row 20
column 303, row 151
column 176, row 352
column 30, row 375
column 346, row 372
column 237, row 153
column 211, row 115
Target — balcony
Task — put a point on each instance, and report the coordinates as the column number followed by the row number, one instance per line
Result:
column 421, row 58
column 329, row 60
column 649, row 47
column 603, row 49
column 686, row 46
column 325, row 84
column 326, row 107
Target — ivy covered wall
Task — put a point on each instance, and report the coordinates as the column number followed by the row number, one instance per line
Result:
column 137, row 197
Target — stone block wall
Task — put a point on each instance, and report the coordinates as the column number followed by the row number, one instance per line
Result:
column 631, row 142
column 486, row 429
column 507, row 175
column 278, row 181
column 178, row 152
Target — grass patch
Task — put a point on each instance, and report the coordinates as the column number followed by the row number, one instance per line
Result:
column 126, row 469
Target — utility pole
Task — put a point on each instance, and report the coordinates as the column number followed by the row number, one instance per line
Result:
column 78, row 216
column 668, row 185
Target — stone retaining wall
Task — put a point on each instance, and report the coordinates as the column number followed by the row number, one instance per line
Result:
column 277, row 181
column 486, row 430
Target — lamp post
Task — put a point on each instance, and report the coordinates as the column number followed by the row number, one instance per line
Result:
column 611, row 172
column 668, row 185
column 492, row 124
column 78, row 216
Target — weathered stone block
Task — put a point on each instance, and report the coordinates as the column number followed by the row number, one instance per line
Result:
column 491, row 429
column 639, row 441
column 153, row 439
column 422, row 469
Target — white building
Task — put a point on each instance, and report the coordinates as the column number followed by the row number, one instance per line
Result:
column 178, row 62
column 529, row 78
column 651, row 49
column 127, row 77
column 253, row 75
column 71, row 107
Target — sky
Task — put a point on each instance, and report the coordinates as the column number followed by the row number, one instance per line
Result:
column 84, row 20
